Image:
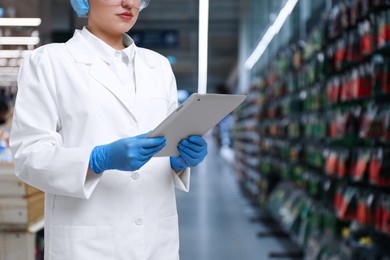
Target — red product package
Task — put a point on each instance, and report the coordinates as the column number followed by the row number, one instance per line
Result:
column 346, row 88
column 382, row 30
column 367, row 209
column 386, row 78
column 344, row 164
column 362, row 213
column 331, row 164
column 340, row 55
column 348, row 210
column 367, row 46
column 375, row 169
column 361, row 85
column 361, row 167
column 388, row 26
column 363, row 88
column 386, row 219
column 338, row 198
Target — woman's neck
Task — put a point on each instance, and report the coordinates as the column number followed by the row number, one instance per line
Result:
column 112, row 39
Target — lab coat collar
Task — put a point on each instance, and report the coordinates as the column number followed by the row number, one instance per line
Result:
column 101, row 49
column 129, row 51
column 105, row 51
column 82, row 52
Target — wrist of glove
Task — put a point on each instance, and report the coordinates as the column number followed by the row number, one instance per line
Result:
column 192, row 151
column 98, row 159
column 178, row 163
column 128, row 154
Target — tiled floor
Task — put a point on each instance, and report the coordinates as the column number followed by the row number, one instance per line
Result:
column 214, row 217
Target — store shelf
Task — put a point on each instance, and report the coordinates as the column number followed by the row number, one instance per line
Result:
column 323, row 131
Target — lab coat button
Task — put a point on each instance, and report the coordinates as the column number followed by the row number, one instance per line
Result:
column 139, row 221
column 135, row 175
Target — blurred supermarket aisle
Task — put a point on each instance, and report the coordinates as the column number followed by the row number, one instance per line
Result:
column 214, row 217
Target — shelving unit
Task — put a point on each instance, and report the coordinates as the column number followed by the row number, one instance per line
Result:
column 312, row 141
column 21, row 217
column 18, row 36
column 21, row 206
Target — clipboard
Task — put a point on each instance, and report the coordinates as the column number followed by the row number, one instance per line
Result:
column 196, row 116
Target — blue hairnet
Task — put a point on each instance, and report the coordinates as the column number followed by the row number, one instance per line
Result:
column 81, row 7
column 144, row 4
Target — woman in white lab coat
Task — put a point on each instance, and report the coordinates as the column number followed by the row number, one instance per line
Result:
column 80, row 116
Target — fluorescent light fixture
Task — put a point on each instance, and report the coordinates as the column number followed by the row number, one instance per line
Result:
column 203, row 45
column 19, row 40
column 20, row 21
column 270, row 33
column 9, row 54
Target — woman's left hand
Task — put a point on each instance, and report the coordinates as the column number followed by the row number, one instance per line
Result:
column 192, row 152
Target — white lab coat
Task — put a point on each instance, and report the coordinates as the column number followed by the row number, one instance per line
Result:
column 68, row 102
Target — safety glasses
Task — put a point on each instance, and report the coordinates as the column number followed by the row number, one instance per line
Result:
column 118, row 2
column 135, row 3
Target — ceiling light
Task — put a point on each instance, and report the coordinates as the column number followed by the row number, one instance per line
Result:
column 203, row 45
column 270, row 33
column 19, row 40
column 20, row 21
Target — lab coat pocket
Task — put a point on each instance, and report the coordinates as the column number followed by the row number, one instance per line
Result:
column 82, row 242
column 168, row 239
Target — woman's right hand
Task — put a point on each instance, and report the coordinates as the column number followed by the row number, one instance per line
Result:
column 127, row 154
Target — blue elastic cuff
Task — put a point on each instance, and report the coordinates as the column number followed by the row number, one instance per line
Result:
column 96, row 160
column 178, row 163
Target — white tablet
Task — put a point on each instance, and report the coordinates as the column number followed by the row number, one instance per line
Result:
column 197, row 115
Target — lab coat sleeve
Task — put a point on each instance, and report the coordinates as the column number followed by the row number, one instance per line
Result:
column 40, row 158
column 181, row 180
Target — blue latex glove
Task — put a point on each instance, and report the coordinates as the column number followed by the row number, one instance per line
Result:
column 128, row 154
column 192, row 152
